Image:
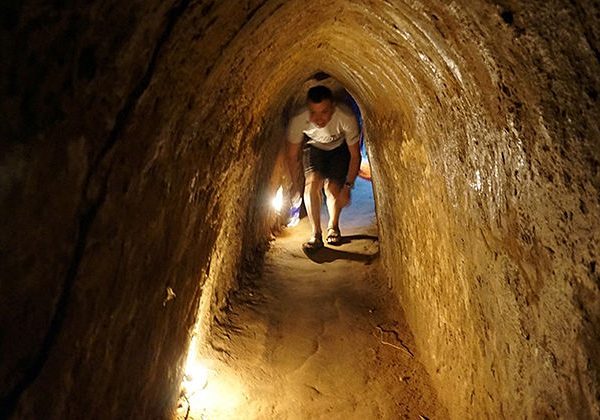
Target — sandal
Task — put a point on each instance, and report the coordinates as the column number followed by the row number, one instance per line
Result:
column 313, row 244
column 333, row 236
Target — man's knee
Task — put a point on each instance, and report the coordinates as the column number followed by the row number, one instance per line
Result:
column 313, row 181
column 332, row 189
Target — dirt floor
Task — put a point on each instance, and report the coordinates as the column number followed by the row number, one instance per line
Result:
column 316, row 338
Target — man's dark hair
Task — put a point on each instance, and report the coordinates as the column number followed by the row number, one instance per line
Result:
column 318, row 94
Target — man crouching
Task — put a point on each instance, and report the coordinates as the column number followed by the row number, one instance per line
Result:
column 329, row 139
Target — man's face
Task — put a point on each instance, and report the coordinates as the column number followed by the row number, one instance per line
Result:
column 320, row 112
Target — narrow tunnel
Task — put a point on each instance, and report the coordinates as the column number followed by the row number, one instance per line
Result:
column 140, row 146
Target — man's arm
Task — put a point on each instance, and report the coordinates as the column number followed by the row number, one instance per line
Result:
column 352, row 134
column 293, row 162
column 354, row 165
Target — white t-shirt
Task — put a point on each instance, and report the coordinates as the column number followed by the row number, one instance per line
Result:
column 341, row 126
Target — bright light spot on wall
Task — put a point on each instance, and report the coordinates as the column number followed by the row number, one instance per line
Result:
column 278, row 200
column 293, row 214
column 476, row 185
column 211, row 389
column 195, row 379
column 196, row 374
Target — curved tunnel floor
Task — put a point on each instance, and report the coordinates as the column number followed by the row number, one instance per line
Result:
column 317, row 338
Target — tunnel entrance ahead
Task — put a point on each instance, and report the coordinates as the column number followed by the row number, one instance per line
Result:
column 325, row 153
column 311, row 334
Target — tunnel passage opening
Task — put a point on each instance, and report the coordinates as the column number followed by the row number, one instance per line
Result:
column 208, row 383
column 362, row 190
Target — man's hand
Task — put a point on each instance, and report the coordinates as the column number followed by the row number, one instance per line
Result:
column 343, row 198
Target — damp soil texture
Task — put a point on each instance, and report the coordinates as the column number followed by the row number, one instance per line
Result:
column 316, row 336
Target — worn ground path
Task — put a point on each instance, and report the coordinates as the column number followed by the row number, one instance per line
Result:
column 317, row 338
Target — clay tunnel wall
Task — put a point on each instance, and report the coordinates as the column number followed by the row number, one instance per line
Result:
column 138, row 144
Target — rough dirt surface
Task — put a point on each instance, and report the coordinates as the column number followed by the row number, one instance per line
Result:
column 317, row 337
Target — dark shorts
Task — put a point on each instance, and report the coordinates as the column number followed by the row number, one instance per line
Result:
column 330, row 164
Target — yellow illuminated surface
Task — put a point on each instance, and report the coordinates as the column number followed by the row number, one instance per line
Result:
column 211, row 389
column 278, row 200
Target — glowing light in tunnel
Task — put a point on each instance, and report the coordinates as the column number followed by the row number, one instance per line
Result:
column 196, row 374
column 211, row 389
column 278, row 200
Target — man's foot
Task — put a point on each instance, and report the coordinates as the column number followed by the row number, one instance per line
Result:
column 313, row 244
column 333, row 236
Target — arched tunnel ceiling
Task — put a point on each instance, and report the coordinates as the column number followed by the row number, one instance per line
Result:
column 388, row 56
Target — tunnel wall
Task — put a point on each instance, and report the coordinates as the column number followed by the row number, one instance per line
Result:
column 489, row 213
column 128, row 176
column 139, row 138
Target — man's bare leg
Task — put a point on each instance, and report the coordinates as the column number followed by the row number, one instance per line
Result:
column 312, row 200
column 334, row 206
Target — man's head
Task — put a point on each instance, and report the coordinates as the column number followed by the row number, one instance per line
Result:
column 320, row 105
